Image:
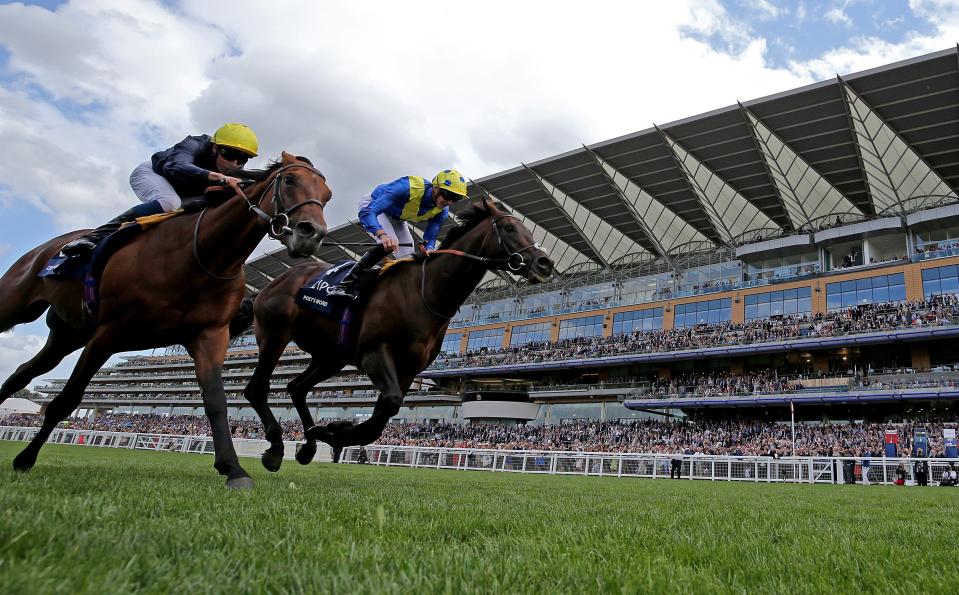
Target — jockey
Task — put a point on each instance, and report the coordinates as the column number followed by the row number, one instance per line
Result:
column 186, row 169
column 386, row 211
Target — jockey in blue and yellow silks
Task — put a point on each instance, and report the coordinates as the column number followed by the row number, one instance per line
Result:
column 384, row 213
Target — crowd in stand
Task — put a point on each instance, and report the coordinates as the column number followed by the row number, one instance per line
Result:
column 749, row 437
column 939, row 310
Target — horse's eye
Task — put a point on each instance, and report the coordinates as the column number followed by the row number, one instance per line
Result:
column 288, row 179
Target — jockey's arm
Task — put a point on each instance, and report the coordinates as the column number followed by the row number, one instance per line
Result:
column 180, row 164
column 433, row 229
column 387, row 198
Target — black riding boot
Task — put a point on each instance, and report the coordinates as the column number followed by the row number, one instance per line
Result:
column 351, row 281
column 89, row 241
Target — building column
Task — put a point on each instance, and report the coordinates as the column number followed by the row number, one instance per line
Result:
column 920, row 357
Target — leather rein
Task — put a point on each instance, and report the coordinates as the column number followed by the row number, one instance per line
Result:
column 279, row 222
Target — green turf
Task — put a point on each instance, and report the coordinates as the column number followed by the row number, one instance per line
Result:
column 102, row 520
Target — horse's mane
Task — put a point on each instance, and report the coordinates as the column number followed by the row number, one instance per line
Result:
column 469, row 218
column 472, row 216
column 262, row 174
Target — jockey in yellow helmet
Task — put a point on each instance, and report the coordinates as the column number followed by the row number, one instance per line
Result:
column 386, row 212
column 185, row 170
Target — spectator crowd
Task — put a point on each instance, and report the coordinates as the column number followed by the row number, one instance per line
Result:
column 731, row 437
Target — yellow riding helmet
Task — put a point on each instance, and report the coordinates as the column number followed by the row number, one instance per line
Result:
column 452, row 180
column 237, row 136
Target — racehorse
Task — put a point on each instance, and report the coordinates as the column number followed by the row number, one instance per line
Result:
column 397, row 333
column 179, row 283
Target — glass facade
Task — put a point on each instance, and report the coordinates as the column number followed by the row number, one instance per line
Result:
column 530, row 333
column 705, row 312
column 491, row 338
column 451, row 343
column 871, row 290
column 650, row 319
column 586, row 326
column 940, row 281
column 788, row 302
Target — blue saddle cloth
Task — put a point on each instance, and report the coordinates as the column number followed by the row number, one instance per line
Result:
column 322, row 292
column 89, row 266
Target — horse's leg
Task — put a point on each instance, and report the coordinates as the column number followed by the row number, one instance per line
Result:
column 94, row 355
column 208, row 351
column 257, row 392
column 381, row 369
column 62, row 341
column 298, row 388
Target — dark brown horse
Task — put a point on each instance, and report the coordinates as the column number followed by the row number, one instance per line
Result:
column 398, row 333
column 179, row 283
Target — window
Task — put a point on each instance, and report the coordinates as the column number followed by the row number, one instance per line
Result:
column 788, row 302
column 529, row 333
column 650, row 319
column 586, row 326
column 491, row 338
column 705, row 312
column 940, row 281
column 871, row 290
column 451, row 343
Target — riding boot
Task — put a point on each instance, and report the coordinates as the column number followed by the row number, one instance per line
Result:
column 89, row 241
column 351, row 281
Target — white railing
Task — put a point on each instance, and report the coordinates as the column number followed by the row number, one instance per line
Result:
column 592, row 464
column 159, row 442
column 653, row 466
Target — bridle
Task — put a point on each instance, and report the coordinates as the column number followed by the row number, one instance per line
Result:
column 279, row 222
column 514, row 261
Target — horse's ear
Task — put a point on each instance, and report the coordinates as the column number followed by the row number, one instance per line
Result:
column 287, row 158
column 486, row 205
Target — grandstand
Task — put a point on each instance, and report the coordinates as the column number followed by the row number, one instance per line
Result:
column 798, row 250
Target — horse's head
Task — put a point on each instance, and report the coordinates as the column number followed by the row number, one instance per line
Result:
column 299, row 193
column 508, row 242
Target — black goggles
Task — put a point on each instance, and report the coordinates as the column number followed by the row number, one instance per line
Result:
column 450, row 196
column 238, row 157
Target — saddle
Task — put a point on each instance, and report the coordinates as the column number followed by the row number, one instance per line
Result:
column 323, row 295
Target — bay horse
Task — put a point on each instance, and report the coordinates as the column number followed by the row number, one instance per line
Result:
column 180, row 283
column 396, row 335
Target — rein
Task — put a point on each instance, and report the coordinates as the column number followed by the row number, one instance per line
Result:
column 509, row 262
column 279, row 222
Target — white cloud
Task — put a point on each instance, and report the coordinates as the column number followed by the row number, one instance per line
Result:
column 838, row 16
column 765, row 10
column 16, row 349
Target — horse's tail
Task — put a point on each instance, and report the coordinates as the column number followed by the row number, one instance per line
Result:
column 243, row 319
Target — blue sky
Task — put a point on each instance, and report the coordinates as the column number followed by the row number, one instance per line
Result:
column 90, row 89
column 801, row 31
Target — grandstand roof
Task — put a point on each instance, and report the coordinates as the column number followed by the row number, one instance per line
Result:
column 879, row 142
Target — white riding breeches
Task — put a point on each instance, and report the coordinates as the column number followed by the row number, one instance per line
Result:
column 149, row 185
column 397, row 228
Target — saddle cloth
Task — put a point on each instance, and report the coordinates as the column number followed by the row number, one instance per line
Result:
column 89, row 266
column 323, row 294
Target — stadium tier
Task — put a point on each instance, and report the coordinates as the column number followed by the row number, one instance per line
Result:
column 799, row 250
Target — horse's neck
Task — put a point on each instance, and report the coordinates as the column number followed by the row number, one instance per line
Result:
column 230, row 233
column 450, row 280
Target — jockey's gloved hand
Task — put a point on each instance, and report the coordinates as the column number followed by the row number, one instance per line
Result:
column 420, row 254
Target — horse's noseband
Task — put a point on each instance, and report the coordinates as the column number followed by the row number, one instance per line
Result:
column 515, row 260
column 280, row 221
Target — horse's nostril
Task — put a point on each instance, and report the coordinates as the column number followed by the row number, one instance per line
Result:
column 544, row 263
column 305, row 228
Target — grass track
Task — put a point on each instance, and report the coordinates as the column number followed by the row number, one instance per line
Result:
column 102, row 520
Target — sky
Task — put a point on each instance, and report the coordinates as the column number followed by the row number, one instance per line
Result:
column 372, row 91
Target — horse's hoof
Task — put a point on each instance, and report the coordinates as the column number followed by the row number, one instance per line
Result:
column 22, row 465
column 305, row 452
column 240, row 483
column 271, row 461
